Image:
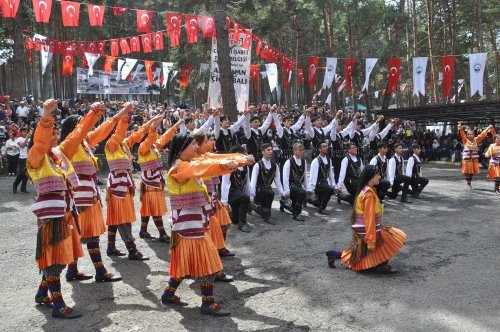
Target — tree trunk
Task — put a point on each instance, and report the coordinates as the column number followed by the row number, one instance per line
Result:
column 224, row 61
column 430, row 36
column 327, row 18
column 17, row 80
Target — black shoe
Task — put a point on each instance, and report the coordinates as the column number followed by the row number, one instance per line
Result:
column 225, row 253
column 405, row 200
column 244, row 228
column 25, row 191
column 137, row 256
column 339, row 199
column 79, row 276
column 323, row 212
column 269, row 221
column 416, row 195
column 107, row 277
column 298, row 217
column 14, row 190
column 175, row 300
column 224, row 278
column 114, row 252
column 164, row 239
column 66, row 313
column 145, row 235
column 282, row 208
column 214, row 310
column 331, row 259
column 46, row 301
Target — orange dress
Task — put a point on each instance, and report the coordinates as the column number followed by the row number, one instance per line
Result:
column 493, row 153
column 153, row 201
column 470, row 156
column 121, row 210
column 372, row 243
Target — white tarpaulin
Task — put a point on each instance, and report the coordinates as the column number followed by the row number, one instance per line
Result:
column 107, row 83
column 272, row 75
column 240, row 67
column 477, row 62
column 166, row 67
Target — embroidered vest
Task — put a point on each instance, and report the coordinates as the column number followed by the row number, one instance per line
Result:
column 323, row 171
column 121, row 159
column 470, row 151
column 239, row 179
column 224, row 142
column 495, row 156
column 266, row 176
column 297, row 173
column 415, row 173
column 382, row 165
column 151, row 168
column 353, row 168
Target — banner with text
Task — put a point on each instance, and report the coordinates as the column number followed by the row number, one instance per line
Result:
column 112, row 84
column 240, row 67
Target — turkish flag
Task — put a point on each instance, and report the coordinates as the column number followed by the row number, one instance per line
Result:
column 92, row 48
column 448, row 69
column 247, row 41
column 51, row 45
column 186, row 71
column 147, row 46
column 394, row 66
column 67, row 66
column 191, row 25
column 158, row 40
column 108, row 63
column 312, row 69
column 96, row 15
column 149, row 70
column 300, row 76
column 144, row 18
column 9, row 8
column 71, row 48
column 348, row 69
column 85, row 64
column 174, row 28
column 42, row 9
column 236, row 33
column 29, row 43
column 254, row 76
column 258, row 50
column 60, row 47
column 135, row 44
column 101, row 47
column 82, row 47
column 117, row 11
column 264, row 54
column 70, row 13
column 114, row 47
column 124, row 46
column 286, row 77
column 208, row 26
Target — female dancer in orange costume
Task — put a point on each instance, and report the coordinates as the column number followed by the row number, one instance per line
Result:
column 53, row 175
column 153, row 201
column 470, row 154
column 373, row 244
column 193, row 253
column 121, row 188
column 493, row 153
column 87, row 196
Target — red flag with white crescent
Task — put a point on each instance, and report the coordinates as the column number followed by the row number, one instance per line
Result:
column 85, row 63
column 349, row 67
column 312, row 70
column 9, row 8
column 117, row 11
column 92, row 47
column 448, row 69
column 286, row 77
column 135, row 44
column 144, row 18
column 101, row 47
column 114, row 47
column 191, row 25
column 108, row 63
column 394, row 66
column 149, row 70
column 70, row 13
column 247, row 40
column 96, row 14
column 174, row 28
column 67, row 66
column 29, row 43
column 300, row 76
column 158, row 40
column 207, row 26
column 124, row 46
column 236, row 33
column 254, row 76
column 186, row 71
column 258, row 49
column 147, row 43
column 42, row 9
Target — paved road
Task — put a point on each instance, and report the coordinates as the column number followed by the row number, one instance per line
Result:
column 448, row 273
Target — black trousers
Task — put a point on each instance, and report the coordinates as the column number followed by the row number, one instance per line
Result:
column 382, row 188
column 324, row 191
column 298, row 196
column 239, row 203
column 12, row 163
column 264, row 197
column 418, row 184
column 22, row 177
column 337, row 164
column 351, row 185
column 401, row 183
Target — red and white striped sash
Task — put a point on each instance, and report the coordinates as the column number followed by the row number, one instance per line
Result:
column 53, row 205
column 119, row 183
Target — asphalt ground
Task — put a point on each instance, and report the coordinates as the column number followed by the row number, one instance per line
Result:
column 448, row 277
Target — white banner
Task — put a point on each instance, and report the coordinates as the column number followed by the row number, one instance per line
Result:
column 166, row 67
column 45, row 55
column 477, row 62
column 137, row 70
column 369, row 64
column 91, row 59
column 419, row 69
column 331, row 66
column 127, row 67
column 240, row 67
column 106, row 83
column 272, row 75
column 204, row 67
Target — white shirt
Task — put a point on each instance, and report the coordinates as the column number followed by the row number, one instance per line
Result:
column 374, row 161
column 23, row 152
column 12, row 147
column 204, row 128
column 255, row 175
column 391, row 168
column 384, row 132
column 226, row 184
column 346, row 131
column 22, row 111
column 310, row 130
column 263, row 129
column 313, row 175
column 294, row 128
column 370, row 132
column 286, row 174
column 232, row 129
column 409, row 165
column 343, row 169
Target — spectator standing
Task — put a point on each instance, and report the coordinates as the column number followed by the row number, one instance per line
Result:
column 22, row 112
column 12, row 155
column 22, row 177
